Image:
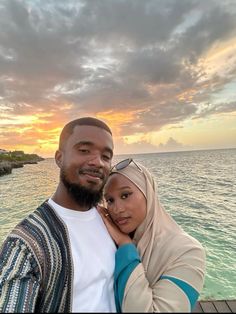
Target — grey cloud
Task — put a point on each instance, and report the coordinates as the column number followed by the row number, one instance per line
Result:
column 158, row 116
column 42, row 51
column 101, row 55
column 152, row 66
column 131, row 22
column 172, row 145
column 109, row 92
column 208, row 109
column 214, row 25
column 131, row 148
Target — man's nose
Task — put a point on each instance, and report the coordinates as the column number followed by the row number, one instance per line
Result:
column 96, row 160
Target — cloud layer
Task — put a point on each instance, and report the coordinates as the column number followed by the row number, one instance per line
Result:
column 140, row 65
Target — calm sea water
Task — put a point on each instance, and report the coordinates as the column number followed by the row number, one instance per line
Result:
column 197, row 188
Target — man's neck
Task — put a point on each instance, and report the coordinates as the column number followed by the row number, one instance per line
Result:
column 64, row 199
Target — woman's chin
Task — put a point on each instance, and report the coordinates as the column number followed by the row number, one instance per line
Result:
column 126, row 229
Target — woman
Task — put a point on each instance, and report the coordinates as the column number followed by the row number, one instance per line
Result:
column 159, row 267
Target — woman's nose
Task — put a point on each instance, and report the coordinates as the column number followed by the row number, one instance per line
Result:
column 117, row 208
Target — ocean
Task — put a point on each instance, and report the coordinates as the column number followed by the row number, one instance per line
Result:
column 198, row 188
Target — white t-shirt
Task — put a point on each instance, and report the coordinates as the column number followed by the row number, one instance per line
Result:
column 93, row 254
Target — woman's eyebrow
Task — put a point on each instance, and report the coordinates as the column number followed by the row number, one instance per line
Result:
column 120, row 189
column 125, row 187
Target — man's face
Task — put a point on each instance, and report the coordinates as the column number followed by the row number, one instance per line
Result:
column 85, row 159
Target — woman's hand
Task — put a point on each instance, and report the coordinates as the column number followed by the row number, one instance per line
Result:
column 118, row 236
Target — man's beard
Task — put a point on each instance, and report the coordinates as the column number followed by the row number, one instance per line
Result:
column 83, row 196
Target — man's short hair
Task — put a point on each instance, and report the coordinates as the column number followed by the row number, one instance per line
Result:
column 69, row 127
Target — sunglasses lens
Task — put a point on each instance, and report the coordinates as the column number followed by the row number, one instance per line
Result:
column 123, row 164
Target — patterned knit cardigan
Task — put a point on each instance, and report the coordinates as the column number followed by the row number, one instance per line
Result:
column 36, row 266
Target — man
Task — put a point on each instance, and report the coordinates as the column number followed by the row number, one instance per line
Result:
column 61, row 257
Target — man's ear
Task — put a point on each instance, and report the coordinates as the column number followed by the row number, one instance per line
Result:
column 58, row 158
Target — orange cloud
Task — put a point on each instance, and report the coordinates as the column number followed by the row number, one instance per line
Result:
column 187, row 95
column 32, row 133
column 220, row 59
column 115, row 119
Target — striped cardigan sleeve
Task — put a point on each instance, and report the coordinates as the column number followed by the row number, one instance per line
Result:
column 19, row 277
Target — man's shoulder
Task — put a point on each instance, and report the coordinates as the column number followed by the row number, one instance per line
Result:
column 32, row 221
column 37, row 212
column 34, row 228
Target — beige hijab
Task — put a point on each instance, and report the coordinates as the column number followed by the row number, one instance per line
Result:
column 158, row 236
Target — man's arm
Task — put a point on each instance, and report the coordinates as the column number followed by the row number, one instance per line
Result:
column 19, row 277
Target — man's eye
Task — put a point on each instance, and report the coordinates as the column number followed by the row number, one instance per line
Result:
column 106, row 157
column 84, row 150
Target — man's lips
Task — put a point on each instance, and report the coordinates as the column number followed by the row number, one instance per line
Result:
column 94, row 175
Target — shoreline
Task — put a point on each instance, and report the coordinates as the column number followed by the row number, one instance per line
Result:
column 7, row 166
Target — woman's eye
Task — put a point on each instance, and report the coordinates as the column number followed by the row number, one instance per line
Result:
column 109, row 201
column 125, row 195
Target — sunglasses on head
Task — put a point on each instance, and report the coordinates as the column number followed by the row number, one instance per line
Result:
column 124, row 163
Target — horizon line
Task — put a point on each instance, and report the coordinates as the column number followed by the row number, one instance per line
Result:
column 167, row 152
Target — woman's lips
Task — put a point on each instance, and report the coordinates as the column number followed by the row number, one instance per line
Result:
column 122, row 221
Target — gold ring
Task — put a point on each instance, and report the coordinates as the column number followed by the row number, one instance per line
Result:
column 106, row 215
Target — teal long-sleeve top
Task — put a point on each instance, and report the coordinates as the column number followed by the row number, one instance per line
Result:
column 126, row 260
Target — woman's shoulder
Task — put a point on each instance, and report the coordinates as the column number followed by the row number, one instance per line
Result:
column 182, row 243
column 187, row 245
column 188, row 239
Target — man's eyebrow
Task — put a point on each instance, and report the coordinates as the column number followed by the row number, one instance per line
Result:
column 84, row 143
column 89, row 143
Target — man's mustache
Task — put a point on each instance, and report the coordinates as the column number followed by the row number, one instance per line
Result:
column 93, row 171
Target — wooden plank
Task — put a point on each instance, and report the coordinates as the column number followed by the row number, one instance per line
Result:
column 197, row 308
column 208, row 307
column 222, row 307
column 215, row 306
column 232, row 305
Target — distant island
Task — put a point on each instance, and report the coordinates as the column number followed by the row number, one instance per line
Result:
column 16, row 159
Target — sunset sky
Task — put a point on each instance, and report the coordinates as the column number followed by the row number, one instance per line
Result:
column 161, row 73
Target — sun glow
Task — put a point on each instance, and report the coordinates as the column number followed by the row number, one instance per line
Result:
column 114, row 119
column 220, row 58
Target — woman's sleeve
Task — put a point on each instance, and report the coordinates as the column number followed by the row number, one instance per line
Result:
column 126, row 260
column 19, row 280
column 177, row 290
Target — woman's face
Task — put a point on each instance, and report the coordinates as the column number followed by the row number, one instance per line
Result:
column 125, row 203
